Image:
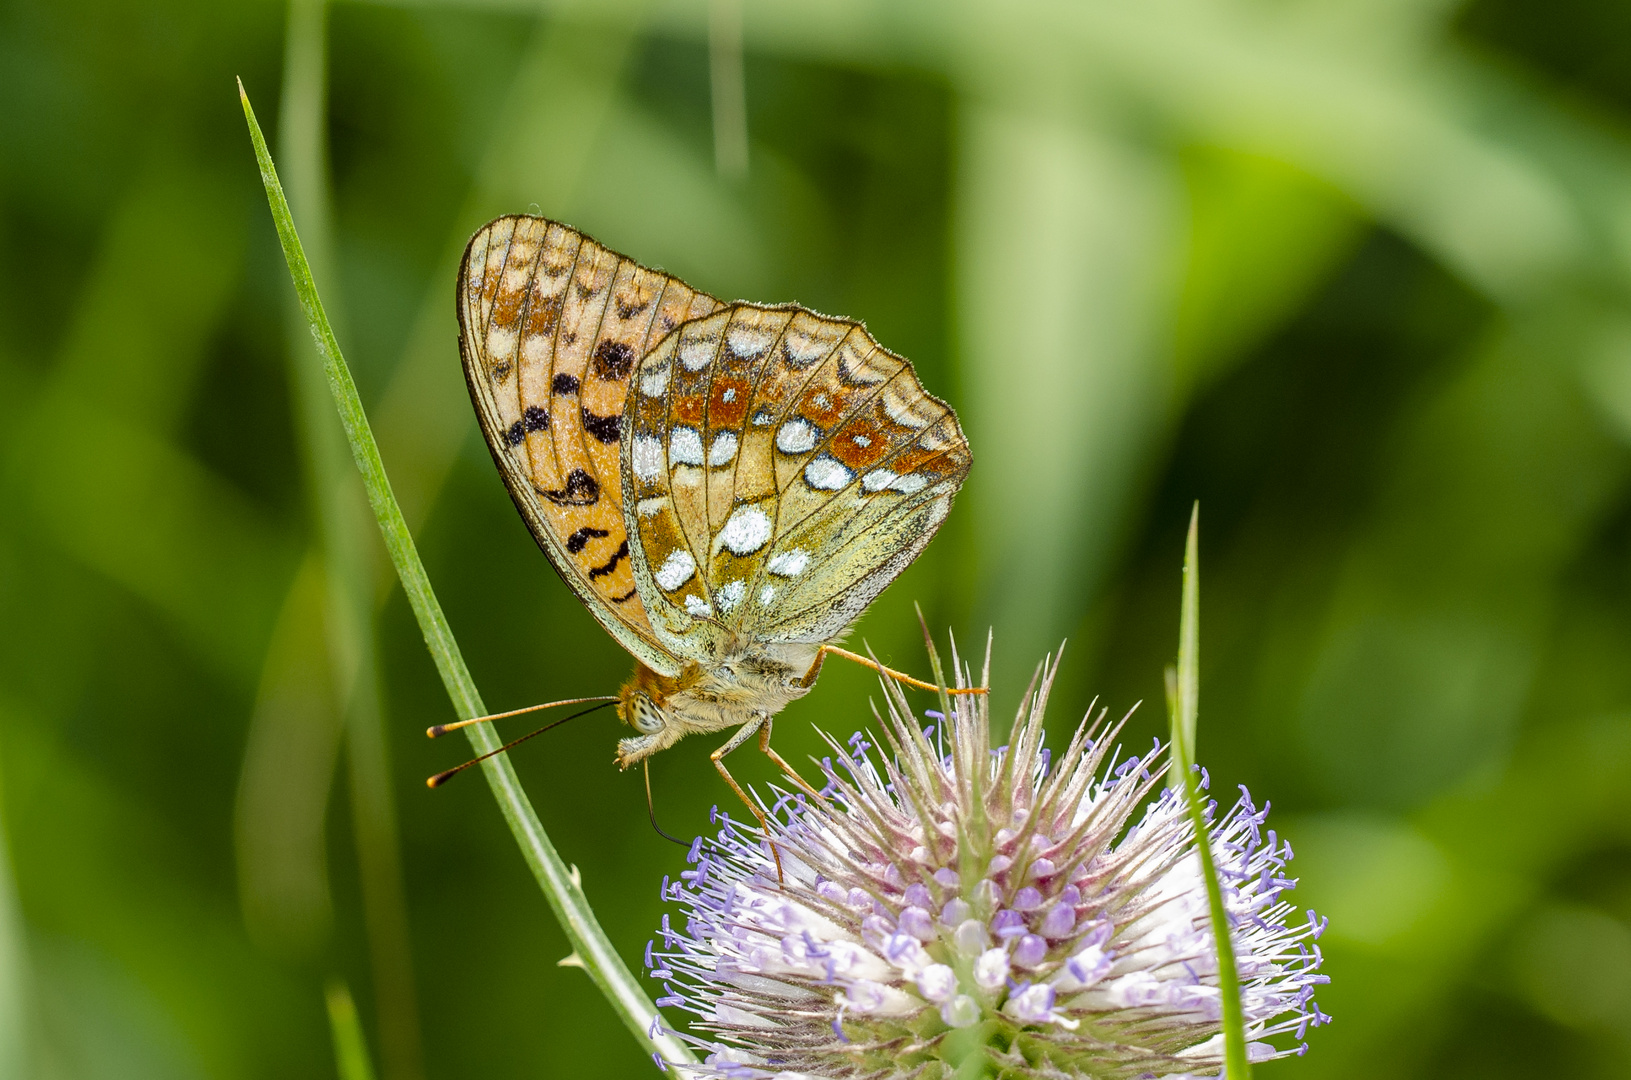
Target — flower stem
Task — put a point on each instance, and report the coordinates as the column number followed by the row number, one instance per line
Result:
column 589, row 942
column 1183, row 702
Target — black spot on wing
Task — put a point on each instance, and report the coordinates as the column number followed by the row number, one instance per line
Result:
column 626, row 596
column 535, row 418
column 613, row 360
column 580, row 489
column 618, row 556
column 565, row 384
column 576, row 542
column 516, row 433
column 629, row 311
column 605, row 428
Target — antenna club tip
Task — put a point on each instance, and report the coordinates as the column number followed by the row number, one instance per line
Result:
column 435, row 731
column 440, row 778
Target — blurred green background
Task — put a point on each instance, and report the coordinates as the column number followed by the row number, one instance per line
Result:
column 1355, row 275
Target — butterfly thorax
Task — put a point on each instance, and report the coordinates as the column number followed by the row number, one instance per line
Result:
column 754, row 683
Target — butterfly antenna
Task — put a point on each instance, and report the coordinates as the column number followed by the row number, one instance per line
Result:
column 443, row 777
column 651, row 810
column 436, row 730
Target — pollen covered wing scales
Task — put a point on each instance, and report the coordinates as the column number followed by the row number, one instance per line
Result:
column 552, row 326
column 780, row 468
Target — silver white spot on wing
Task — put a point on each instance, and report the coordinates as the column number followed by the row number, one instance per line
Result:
column 910, row 484
column 647, row 457
column 797, row 436
column 676, row 570
column 685, row 446
column 763, row 417
column 723, row 449
column 766, row 595
column 803, row 349
column 651, row 507
column 748, row 342
column 654, row 381
column 789, row 563
column 729, row 394
column 827, row 473
column 877, row 480
column 730, row 594
column 746, row 531
column 697, row 607
column 901, row 411
column 696, row 353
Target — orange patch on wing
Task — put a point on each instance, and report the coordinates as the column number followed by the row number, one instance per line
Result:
column 860, row 445
column 688, row 408
column 728, row 402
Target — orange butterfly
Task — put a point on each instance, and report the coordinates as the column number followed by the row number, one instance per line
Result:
column 726, row 487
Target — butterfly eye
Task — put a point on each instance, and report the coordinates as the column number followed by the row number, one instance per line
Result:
column 647, row 720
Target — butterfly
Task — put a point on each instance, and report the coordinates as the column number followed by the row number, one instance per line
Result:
column 725, row 486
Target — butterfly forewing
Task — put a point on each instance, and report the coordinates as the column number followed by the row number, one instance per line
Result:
column 782, row 468
column 552, row 325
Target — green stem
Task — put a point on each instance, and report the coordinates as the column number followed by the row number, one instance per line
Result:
column 590, row 945
column 1183, row 694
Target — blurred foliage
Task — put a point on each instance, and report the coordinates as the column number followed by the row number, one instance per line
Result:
column 1357, row 276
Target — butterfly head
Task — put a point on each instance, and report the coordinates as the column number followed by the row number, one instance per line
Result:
column 730, row 693
column 643, row 705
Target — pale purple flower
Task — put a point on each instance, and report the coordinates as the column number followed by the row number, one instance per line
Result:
column 946, row 891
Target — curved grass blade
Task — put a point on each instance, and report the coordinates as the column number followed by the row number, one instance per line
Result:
column 350, row 1048
column 1183, row 706
column 589, row 941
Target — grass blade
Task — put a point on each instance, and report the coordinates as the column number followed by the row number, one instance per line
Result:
column 350, row 1049
column 1183, row 703
column 589, row 941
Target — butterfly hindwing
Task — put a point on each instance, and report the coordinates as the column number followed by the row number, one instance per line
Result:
column 552, row 326
column 781, row 469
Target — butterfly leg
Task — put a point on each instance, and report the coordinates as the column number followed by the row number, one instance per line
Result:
column 743, row 734
column 865, row 661
column 781, row 763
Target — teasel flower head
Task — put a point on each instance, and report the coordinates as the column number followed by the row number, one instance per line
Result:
column 948, row 900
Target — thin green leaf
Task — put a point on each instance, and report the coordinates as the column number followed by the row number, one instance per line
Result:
column 350, row 1049
column 583, row 931
column 1189, row 641
column 1183, row 705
